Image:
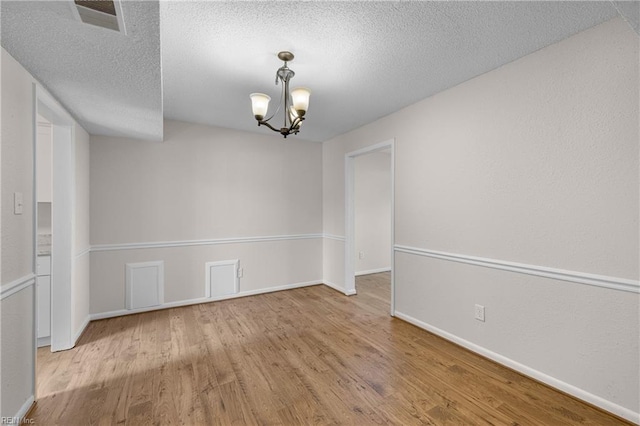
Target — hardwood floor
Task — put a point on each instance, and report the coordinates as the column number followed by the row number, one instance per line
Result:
column 304, row 356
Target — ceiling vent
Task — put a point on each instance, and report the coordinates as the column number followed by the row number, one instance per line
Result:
column 105, row 14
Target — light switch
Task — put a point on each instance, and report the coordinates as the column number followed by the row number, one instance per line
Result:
column 18, row 203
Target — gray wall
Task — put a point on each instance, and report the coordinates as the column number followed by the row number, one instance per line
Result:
column 372, row 201
column 17, row 367
column 18, row 326
column 536, row 163
column 204, row 183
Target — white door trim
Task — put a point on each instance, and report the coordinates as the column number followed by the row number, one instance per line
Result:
column 63, row 209
column 349, row 224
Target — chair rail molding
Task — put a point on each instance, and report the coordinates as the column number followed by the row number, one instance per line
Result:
column 17, row 285
column 613, row 283
column 206, row 242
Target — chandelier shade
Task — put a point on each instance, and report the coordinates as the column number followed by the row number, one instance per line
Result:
column 259, row 105
column 294, row 104
column 300, row 98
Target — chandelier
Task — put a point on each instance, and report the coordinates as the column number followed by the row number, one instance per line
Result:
column 296, row 102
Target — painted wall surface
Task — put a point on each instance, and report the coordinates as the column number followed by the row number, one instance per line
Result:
column 372, row 183
column 266, row 265
column 333, row 210
column 204, row 183
column 17, row 169
column 18, row 368
column 535, row 162
column 81, row 276
column 17, row 323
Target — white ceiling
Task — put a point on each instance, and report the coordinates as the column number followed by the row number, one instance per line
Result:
column 361, row 60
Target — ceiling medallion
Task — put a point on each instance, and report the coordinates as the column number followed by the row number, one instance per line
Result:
column 295, row 103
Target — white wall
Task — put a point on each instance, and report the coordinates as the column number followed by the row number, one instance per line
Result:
column 204, row 183
column 17, row 169
column 17, row 248
column 18, row 327
column 333, row 211
column 372, row 200
column 535, row 162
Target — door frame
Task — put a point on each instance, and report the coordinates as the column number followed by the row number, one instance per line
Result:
column 62, row 215
column 350, row 219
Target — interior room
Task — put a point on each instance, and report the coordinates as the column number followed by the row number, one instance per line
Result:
column 432, row 216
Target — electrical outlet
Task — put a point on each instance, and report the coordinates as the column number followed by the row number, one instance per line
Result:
column 480, row 313
column 361, row 255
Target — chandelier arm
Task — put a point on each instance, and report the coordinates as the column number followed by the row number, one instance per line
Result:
column 279, row 103
column 295, row 122
column 273, row 115
column 264, row 123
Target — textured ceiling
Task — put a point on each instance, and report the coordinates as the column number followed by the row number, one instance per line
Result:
column 110, row 82
column 361, row 60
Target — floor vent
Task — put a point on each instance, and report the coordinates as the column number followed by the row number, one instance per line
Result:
column 144, row 284
column 221, row 278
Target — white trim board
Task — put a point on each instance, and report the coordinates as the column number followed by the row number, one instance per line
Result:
column 527, row 371
column 16, row 285
column 22, row 412
column 338, row 288
column 83, row 252
column 334, row 237
column 83, row 326
column 373, row 271
column 122, row 312
column 208, row 242
column 604, row 281
column 44, row 341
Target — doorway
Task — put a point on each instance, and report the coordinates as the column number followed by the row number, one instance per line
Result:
column 351, row 264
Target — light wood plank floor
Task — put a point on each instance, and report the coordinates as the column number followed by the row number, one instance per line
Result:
column 304, row 356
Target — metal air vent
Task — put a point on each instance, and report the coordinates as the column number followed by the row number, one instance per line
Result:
column 101, row 13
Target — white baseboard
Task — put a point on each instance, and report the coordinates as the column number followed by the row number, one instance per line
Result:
column 121, row 312
column 373, row 271
column 20, row 415
column 81, row 329
column 336, row 287
column 609, row 406
column 44, row 341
